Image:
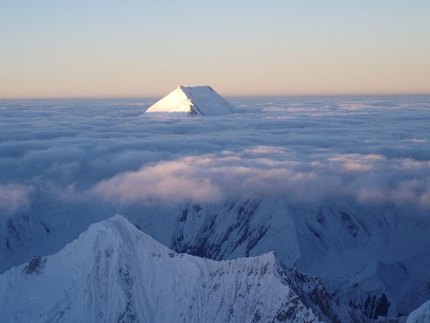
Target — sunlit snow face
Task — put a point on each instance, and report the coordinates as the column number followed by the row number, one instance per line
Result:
column 373, row 151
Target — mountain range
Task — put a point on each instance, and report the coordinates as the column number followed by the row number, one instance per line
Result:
column 115, row 273
column 361, row 261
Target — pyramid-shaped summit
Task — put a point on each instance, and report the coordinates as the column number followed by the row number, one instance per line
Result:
column 192, row 101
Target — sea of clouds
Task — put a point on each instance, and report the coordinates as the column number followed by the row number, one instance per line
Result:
column 373, row 151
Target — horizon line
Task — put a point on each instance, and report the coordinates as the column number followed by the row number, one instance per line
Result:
column 226, row 96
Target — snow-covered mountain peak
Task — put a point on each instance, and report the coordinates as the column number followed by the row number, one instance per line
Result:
column 120, row 233
column 115, row 272
column 192, row 101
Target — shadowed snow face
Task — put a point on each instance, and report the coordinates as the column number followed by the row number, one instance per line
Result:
column 372, row 151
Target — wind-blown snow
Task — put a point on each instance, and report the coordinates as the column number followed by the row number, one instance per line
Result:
column 116, row 273
column 192, row 101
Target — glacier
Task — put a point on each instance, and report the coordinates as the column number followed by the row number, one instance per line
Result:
column 115, row 273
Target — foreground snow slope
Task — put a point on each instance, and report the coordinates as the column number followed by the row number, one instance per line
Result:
column 372, row 260
column 116, row 273
column 192, row 101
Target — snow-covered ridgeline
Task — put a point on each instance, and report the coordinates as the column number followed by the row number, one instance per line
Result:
column 115, row 272
column 420, row 315
column 352, row 250
column 360, row 255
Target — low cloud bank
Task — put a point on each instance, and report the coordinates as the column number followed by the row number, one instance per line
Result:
column 369, row 179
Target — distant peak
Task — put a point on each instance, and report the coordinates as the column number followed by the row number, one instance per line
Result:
column 192, row 101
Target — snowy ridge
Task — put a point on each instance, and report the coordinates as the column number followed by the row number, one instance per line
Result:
column 392, row 289
column 332, row 242
column 420, row 315
column 192, row 101
column 115, row 272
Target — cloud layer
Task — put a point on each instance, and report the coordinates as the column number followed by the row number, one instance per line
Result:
column 374, row 151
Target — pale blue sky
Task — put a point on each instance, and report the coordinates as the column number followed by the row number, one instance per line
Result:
column 147, row 48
